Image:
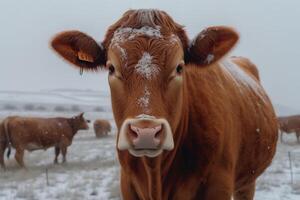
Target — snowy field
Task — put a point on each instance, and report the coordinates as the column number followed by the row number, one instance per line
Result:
column 92, row 170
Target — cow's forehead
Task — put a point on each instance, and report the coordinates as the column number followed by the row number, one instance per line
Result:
column 146, row 67
column 126, row 35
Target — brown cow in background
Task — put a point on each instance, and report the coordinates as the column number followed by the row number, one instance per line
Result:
column 26, row 133
column 189, row 126
column 3, row 144
column 101, row 127
column 289, row 124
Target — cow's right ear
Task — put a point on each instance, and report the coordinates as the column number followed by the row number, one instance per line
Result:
column 79, row 49
column 211, row 45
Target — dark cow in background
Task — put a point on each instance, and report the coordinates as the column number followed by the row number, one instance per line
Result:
column 101, row 127
column 289, row 124
column 26, row 133
column 189, row 126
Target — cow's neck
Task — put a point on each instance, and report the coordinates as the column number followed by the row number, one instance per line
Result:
column 74, row 126
column 153, row 172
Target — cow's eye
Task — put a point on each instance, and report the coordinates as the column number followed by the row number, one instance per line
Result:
column 111, row 69
column 179, row 69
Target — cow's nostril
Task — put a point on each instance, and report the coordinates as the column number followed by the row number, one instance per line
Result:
column 133, row 133
column 158, row 134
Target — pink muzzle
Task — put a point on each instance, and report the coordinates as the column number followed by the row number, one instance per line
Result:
column 146, row 138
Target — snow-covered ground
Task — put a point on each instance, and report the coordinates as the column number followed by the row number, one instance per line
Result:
column 92, row 170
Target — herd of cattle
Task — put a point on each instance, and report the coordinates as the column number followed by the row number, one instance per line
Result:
column 27, row 133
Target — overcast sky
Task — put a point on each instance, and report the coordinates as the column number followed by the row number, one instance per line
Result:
column 269, row 29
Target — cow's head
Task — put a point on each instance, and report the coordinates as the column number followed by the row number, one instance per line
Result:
column 80, row 122
column 146, row 54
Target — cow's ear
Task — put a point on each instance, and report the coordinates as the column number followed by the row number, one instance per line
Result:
column 79, row 49
column 81, row 115
column 211, row 45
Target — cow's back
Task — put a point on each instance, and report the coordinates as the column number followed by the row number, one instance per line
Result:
column 290, row 123
column 229, row 106
column 246, row 65
column 101, row 126
column 37, row 133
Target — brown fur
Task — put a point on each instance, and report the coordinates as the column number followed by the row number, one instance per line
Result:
column 224, row 131
column 25, row 133
column 101, row 127
column 289, row 124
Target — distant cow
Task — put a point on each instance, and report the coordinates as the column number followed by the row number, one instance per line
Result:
column 101, row 127
column 3, row 143
column 24, row 133
column 289, row 124
column 191, row 124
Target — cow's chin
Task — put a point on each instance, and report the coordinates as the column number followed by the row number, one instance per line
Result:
column 146, row 152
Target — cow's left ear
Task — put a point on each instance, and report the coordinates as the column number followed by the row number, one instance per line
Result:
column 211, row 45
column 79, row 49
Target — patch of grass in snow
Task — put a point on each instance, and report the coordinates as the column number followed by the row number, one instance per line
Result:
column 9, row 107
column 69, row 194
column 60, row 108
column 296, row 188
column 26, row 192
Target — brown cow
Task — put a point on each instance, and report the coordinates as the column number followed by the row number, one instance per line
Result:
column 213, row 119
column 289, row 124
column 24, row 133
column 2, row 144
column 101, row 127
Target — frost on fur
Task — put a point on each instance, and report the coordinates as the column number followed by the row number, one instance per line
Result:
column 145, row 67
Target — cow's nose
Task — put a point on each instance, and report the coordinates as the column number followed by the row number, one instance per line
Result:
column 146, row 137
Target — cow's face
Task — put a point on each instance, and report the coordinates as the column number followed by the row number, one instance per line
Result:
column 81, row 122
column 146, row 80
column 146, row 76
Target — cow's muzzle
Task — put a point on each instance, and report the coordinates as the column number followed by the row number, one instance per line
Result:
column 145, row 135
